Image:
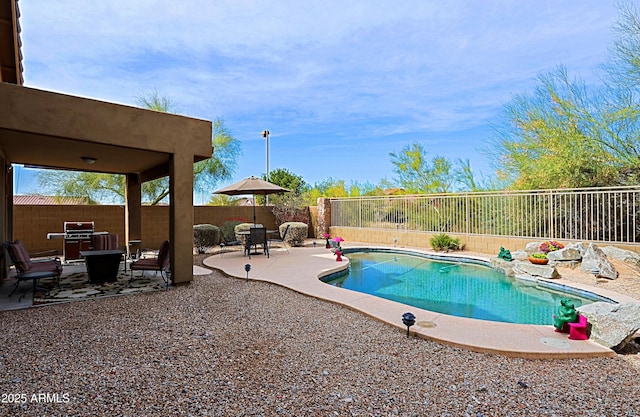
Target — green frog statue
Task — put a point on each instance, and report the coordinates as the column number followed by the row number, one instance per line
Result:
column 505, row 254
column 566, row 314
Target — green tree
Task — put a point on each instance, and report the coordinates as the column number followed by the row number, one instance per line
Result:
column 285, row 178
column 567, row 135
column 224, row 200
column 416, row 174
column 111, row 188
column 97, row 187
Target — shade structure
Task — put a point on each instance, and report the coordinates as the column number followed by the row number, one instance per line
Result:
column 252, row 185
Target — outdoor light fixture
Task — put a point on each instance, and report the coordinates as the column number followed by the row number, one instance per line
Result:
column 409, row 320
column 265, row 134
column 247, row 268
column 595, row 272
column 88, row 160
column 314, row 243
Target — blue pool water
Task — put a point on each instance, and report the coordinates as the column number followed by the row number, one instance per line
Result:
column 454, row 288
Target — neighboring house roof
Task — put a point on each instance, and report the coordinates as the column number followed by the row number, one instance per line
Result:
column 48, row 200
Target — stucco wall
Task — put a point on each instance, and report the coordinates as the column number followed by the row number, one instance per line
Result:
column 32, row 223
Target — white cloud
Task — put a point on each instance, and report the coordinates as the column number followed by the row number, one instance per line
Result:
column 351, row 69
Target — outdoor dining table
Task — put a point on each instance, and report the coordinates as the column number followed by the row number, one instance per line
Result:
column 248, row 232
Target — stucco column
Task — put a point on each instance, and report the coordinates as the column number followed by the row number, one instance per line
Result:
column 324, row 215
column 181, row 216
column 133, row 211
column 6, row 190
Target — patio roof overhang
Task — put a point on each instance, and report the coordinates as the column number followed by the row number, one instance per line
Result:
column 10, row 53
column 53, row 130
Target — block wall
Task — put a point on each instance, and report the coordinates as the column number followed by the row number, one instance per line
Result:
column 32, row 223
column 489, row 245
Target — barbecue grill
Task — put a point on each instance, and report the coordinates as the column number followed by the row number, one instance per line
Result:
column 77, row 237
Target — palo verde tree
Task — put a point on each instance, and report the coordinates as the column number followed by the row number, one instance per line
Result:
column 108, row 188
column 416, row 174
column 568, row 134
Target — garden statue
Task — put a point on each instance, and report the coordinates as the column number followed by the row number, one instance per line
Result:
column 505, row 254
column 566, row 314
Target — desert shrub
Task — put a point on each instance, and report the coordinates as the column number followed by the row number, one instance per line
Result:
column 443, row 241
column 297, row 233
column 206, row 236
column 243, row 227
column 228, row 230
column 289, row 208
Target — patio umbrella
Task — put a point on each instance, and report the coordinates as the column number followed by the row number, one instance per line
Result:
column 253, row 186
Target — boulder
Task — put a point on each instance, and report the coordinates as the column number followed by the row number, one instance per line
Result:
column 612, row 325
column 532, row 247
column 544, row 271
column 581, row 247
column 621, row 254
column 519, row 255
column 566, row 254
column 594, row 258
column 503, row 266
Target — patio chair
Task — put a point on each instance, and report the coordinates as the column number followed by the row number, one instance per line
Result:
column 158, row 263
column 107, row 242
column 30, row 269
column 281, row 239
column 257, row 236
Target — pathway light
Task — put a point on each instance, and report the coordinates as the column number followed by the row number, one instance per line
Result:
column 409, row 320
column 247, row 268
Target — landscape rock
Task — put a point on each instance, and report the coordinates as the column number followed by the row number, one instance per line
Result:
column 612, row 325
column 621, row 254
column 519, row 255
column 595, row 258
column 581, row 247
column 532, row 247
column 503, row 266
column 544, row 271
column 566, row 254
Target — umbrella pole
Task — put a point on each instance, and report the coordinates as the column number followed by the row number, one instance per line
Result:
column 254, row 209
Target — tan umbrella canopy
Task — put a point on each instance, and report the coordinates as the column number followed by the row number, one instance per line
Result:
column 252, row 185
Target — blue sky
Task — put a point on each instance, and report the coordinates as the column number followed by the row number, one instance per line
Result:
column 339, row 84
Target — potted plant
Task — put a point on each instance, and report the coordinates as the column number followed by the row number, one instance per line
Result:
column 538, row 258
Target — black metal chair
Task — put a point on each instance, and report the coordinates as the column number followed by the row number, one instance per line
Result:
column 257, row 236
column 29, row 269
column 282, row 238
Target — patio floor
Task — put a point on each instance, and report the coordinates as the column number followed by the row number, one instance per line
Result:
column 75, row 286
column 299, row 270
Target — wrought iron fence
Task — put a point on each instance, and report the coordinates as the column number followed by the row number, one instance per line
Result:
column 593, row 214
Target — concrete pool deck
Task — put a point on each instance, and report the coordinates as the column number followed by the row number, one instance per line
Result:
column 300, row 268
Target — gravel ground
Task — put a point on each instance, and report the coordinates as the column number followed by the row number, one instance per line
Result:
column 225, row 347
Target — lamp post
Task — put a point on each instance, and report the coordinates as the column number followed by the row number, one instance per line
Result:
column 265, row 134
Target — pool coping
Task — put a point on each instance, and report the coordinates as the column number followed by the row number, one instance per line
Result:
column 300, row 270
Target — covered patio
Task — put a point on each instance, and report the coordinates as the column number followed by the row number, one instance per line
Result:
column 52, row 130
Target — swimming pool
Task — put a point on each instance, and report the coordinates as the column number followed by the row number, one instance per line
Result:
column 457, row 288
